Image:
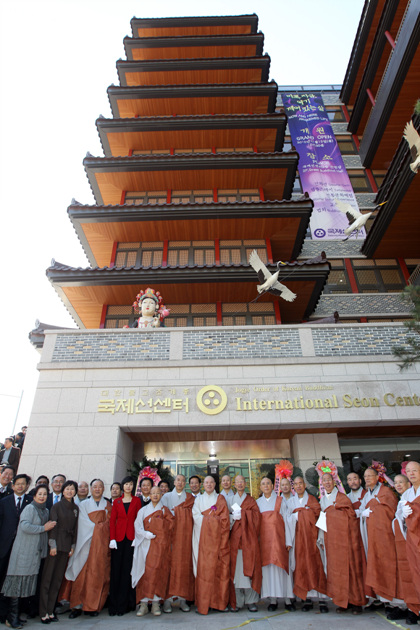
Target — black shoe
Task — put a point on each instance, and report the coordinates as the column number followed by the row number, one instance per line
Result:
column 307, row 606
column 291, row 607
column 233, row 609
column 47, row 620
column 75, row 612
column 94, row 613
column 323, row 608
column 53, row 618
column 357, row 610
column 120, row 614
column 396, row 613
column 272, row 607
column 253, row 608
column 412, row 618
column 111, row 613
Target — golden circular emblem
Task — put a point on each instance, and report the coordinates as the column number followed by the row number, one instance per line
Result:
column 211, row 400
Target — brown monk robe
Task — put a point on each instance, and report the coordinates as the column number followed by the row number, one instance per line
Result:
column 405, row 581
column 343, row 548
column 244, row 537
column 409, row 511
column 154, row 580
column 309, row 572
column 181, row 581
column 89, row 568
column 273, row 538
column 377, row 512
column 211, row 554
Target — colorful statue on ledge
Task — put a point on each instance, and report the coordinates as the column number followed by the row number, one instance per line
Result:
column 149, row 304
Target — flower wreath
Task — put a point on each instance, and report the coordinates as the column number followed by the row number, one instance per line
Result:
column 283, row 470
column 381, row 470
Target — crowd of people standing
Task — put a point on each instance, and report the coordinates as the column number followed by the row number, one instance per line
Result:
column 73, row 549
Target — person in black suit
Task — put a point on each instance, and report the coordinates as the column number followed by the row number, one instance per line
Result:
column 10, row 509
column 6, row 475
column 56, row 484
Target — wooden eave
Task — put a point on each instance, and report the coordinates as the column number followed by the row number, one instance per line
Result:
column 194, row 26
column 376, row 64
column 85, row 291
column 194, row 71
column 192, row 100
column 143, row 48
column 369, row 20
column 396, row 97
column 263, row 131
column 395, row 231
column 273, row 172
column 284, row 223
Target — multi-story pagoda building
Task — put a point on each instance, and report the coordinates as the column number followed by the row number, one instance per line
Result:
column 199, row 169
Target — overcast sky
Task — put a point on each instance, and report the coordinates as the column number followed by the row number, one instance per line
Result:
column 57, row 60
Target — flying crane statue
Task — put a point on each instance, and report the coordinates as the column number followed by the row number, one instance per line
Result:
column 412, row 136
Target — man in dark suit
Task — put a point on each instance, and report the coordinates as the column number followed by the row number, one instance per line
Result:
column 6, row 475
column 10, row 510
column 10, row 455
column 55, row 496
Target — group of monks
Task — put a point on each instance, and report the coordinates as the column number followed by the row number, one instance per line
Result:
column 226, row 551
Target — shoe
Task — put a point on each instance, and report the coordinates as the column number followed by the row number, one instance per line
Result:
column 75, row 612
column 94, row 613
column 156, row 609
column 253, row 608
column 53, row 618
column 143, row 610
column 290, row 607
column 46, row 620
column 323, row 608
column 272, row 607
column 412, row 618
column 307, row 606
column 234, row 609
column 167, row 608
column 184, row 606
column 396, row 613
column 12, row 620
column 120, row 614
column 357, row 610
column 111, row 613
column 340, row 610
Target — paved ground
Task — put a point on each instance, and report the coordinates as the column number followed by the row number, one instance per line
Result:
column 262, row 620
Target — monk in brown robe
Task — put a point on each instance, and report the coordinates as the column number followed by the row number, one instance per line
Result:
column 357, row 492
column 89, row 568
column 245, row 557
column 152, row 553
column 408, row 515
column 309, row 577
column 377, row 512
column 211, row 552
column 343, row 549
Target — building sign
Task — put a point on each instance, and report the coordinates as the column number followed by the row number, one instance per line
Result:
column 212, row 399
column 321, row 168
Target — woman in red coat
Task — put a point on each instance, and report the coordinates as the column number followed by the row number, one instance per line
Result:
column 122, row 597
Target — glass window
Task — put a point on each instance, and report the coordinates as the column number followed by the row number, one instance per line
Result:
column 359, row 181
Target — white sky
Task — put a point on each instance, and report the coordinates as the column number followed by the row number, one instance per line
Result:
column 57, row 60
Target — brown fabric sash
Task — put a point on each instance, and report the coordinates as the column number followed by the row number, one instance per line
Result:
column 405, row 581
column 213, row 565
column 244, row 535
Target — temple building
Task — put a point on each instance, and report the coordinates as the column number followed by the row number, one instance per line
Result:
column 201, row 166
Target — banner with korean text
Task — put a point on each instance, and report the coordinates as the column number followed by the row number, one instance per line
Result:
column 322, row 171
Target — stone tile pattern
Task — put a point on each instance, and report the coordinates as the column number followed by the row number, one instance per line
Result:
column 357, row 341
column 332, row 249
column 362, row 304
column 112, row 347
column 245, row 343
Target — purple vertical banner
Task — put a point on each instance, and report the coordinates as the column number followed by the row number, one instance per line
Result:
column 321, row 168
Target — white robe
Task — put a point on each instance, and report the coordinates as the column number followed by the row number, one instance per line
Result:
column 363, row 520
column 172, row 499
column 202, row 503
column 85, row 529
column 140, row 543
column 276, row 582
column 355, row 495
